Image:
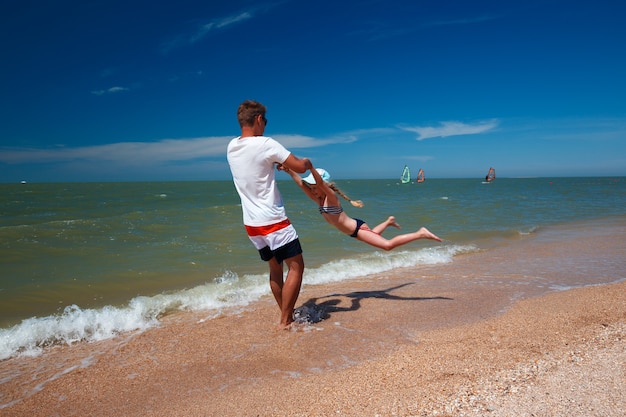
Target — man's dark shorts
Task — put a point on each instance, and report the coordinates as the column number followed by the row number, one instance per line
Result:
column 287, row 251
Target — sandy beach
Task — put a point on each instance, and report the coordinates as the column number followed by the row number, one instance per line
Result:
column 432, row 341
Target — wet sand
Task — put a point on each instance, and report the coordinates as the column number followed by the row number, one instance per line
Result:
column 485, row 335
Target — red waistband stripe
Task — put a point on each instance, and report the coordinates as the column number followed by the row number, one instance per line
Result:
column 266, row 230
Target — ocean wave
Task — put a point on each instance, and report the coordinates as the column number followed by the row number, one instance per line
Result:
column 378, row 262
column 33, row 335
column 74, row 324
column 528, row 230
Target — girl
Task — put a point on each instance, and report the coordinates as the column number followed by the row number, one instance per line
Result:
column 318, row 188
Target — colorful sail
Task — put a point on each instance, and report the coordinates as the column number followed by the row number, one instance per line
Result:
column 406, row 175
column 420, row 176
column 491, row 175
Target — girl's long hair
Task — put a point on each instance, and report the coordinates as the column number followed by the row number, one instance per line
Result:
column 355, row 203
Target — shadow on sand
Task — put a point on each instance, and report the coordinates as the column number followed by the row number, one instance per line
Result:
column 315, row 310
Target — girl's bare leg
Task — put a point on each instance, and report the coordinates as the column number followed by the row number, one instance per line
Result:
column 378, row 241
column 391, row 221
column 424, row 233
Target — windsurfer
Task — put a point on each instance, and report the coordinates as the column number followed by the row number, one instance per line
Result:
column 420, row 175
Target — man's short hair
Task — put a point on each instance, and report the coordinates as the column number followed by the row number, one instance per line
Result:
column 248, row 110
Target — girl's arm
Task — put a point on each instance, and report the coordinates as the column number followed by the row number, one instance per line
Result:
column 298, row 180
column 324, row 187
column 330, row 189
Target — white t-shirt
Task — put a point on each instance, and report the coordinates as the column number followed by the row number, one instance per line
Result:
column 251, row 161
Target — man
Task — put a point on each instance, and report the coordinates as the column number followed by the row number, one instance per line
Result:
column 252, row 158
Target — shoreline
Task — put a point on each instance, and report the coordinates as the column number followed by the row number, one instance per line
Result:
column 561, row 354
column 485, row 335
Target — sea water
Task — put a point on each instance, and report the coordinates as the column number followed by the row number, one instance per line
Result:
column 88, row 261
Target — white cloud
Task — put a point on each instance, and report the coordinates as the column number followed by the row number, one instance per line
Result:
column 419, row 158
column 111, row 90
column 301, row 141
column 204, row 30
column 451, row 128
column 466, row 21
column 135, row 153
column 218, row 24
column 233, row 19
column 124, row 152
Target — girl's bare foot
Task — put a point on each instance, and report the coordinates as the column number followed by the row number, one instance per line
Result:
column 391, row 221
column 427, row 234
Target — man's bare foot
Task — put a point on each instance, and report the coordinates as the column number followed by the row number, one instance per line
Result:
column 427, row 234
column 287, row 326
column 391, row 221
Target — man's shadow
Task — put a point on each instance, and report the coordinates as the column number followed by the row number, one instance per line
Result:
column 314, row 310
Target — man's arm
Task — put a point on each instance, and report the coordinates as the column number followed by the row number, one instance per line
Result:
column 296, row 164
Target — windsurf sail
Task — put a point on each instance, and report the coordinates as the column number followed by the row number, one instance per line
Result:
column 491, row 175
column 406, row 175
column 420, row 175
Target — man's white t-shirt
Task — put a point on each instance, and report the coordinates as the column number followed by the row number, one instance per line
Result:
column 251, row 161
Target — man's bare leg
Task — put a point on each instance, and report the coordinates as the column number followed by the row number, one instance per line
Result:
column 291, row 290
column 276, row 281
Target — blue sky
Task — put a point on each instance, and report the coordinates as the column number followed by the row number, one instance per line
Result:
column 106, row 90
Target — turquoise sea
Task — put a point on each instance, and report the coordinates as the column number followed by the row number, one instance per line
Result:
column 88, row 261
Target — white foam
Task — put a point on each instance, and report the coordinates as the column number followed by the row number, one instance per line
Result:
column 377, row 262
column 75, row 324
